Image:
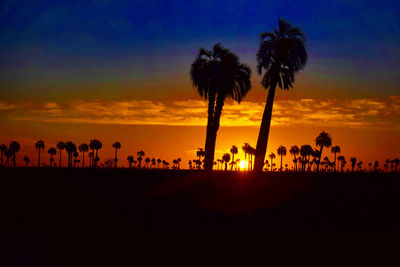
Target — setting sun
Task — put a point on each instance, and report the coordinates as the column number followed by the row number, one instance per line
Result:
column 243, row 165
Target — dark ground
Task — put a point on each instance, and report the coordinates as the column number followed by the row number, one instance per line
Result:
column 57, row 206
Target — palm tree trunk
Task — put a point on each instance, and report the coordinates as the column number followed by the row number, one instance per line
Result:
column 281, row 162
column 83, row 158
column 319, row 158
column 212, row 134
column 233, row 159
column 39, row 159
column 263, row 135
column 210, row 130
column 115, row 162
column 335, row 163
column 14, row 163
column 60, row 158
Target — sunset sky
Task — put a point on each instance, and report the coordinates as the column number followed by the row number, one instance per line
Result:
column 119, row 70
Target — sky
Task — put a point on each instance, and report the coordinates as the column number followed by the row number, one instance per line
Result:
column 119, row 70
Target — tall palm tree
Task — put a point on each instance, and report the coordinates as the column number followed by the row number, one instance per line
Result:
column 14, row 147
column 281, row 152
column 226, row 158
column 27, row 160
column 3, row 148
column 70, row 148
column 39, row 146
column 305, row 152
column 60, row 147
column 234, row 151
column 95, row 145
column 335, row 150
column 294, row 151
column 217, row 75
column 52, row 152
column 281, row 54
column 272, row 156
column 322, row 140
column 83, row 148
column 353, row 161
column 116, row 146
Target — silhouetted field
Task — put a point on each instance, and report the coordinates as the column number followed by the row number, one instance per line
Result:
column 57, row 200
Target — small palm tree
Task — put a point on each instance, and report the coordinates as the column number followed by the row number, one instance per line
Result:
column 217, row 75
column 75, row 155
column 158, row 163
column 226, row 158
column 140, row 155
column 359, row 165
column 179, row 163
column 70, row 148
column 27, row 161
column 147, row 160
column 52, row 152
column 281, row 152
column 116, row 146
column 14, row 147
column 39, row 146
column 3, row 148
column 60, row 147
column 272, row 156
column 95, row 145
column 294, row 151
column 322, row 140
column 335, row 150
column 281, row 54
column 396, row 163
column 90, row 155
column 305, row 152
column 8, row 154
column 130, row 160
column 234, row 151
column 83, row 148
column 353, row 161
column 153, row 163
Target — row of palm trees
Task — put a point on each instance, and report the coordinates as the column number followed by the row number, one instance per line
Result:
column 305, row 159
column 218, row 74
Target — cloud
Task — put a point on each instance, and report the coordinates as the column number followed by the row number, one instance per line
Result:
column 366, row 112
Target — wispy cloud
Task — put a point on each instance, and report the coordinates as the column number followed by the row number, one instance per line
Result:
column 366, row 112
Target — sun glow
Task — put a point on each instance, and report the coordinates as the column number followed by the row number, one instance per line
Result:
column 243, row 165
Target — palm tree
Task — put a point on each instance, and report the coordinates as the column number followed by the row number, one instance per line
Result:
column 60, row 146
column 234, row 151
column 8, row 154
column 217, row 75
column 75, row 155
column 116, row 146
column 226, row 158
column 341, row 159
column 27, row 160
column 95, row 145
column 322, row 140
column 281, row 54
column 70, row 148
column 359, row 165
column 140, row 155
column 305, row 152
column 353, row 161
column 245, row 149
column 376, row 165
column 281, row 152
column 39, row 146
column 90, row 155
column 159, row 161
column 83, row 148
column 190, row 164
column 153, row 162
column 179, row 163
column 272, row 156
column 52, row 151
column 147, row 160
column 3, row 148
column 130, row 160
column 396, row 163
column 334, row 150
column 14, row 147
column 294, row 151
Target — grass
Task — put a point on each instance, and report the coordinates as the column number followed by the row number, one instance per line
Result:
column 56, row 200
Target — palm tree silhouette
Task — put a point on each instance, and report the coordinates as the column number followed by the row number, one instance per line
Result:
column 116, row 146
column 335, row 150
column 294, row 151
column 281, row 152
column 159, row 161
column 8, row 154
column 272, row 156
column 153, row 162
column 226, row 158
column 140, row 155
column 246, row 151
column 179, row 163
column 147, row 160
column 200, row 153
column 14, row 147
column 396, row 163
column 234, row 150
column 39, row 146
column 75, row 154
column 340, row 159
column 359, row 165
column 281, row 54
column 52, row 151
column 3, row 148
column 70, row 148
column 95, row 145
column 217, row 75
column 353, row 161
column 322, row 140
column 27, row 160
column 83, row 148
column 305, row 152
column 130, row 160
column 376, row 165
column 60, row 146
column 90, row 155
